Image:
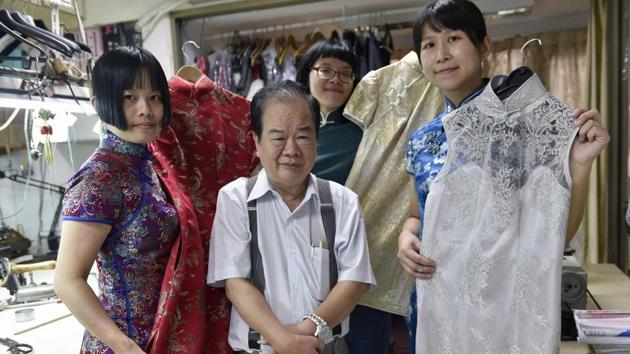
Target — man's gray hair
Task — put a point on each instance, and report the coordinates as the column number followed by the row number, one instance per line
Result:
column 283, row 91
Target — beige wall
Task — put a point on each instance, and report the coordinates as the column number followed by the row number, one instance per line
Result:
column 158, row 41
column 102, row 12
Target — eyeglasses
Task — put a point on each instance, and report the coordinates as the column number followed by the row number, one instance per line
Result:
column 328, row 74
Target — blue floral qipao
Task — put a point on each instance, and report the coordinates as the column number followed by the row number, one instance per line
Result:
column 426, row 154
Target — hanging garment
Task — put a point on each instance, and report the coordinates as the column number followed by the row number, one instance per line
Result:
column 224, row 76
column 372, row 52
column 386, row 47
column 289, row 72
column 208, row 143
column 272, row 71
column 212, row 60
column 361, row 51
column 495, row 224
column 241, row 86
column 254, row 87
column 388, row 104
column 202, row 64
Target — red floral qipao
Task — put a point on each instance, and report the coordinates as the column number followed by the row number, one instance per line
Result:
column 208, row 143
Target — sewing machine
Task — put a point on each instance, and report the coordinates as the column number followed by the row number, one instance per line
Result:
column 31, row 320
column 573, row 295
column 11, row 277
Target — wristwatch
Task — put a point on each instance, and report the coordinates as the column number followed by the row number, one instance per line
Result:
column 323, row 331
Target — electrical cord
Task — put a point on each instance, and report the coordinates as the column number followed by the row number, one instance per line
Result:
column 28, row 173
column 71, row 129
column 593, row 298
column 11, row 118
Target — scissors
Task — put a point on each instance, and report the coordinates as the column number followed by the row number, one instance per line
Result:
column 15, row 347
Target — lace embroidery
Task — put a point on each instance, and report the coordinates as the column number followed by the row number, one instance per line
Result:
column 475, row 280
column 494, row 223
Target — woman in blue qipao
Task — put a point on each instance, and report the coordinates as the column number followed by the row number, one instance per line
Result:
column 451, row 40
column 115, row 210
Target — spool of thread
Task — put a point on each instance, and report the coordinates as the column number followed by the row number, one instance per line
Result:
column 25, row 315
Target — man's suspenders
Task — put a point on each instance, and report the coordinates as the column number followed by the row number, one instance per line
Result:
column 327, row 210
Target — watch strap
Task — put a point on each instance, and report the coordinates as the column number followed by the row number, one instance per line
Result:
column 319, row 322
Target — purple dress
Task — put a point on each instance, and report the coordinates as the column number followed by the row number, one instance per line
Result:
column 118, row 186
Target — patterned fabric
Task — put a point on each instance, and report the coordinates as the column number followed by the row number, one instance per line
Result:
column 426, row 154
column 426, row 150
column 208, row 144
column 388, row 104
column 337, row 146
column 495, row 222
column 118, row 186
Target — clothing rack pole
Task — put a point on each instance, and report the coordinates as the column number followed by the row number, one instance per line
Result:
column 315, row 23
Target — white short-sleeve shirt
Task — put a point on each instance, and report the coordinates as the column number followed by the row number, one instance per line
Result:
column 296, row 269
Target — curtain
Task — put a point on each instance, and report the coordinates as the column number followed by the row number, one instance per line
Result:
column 603, row 223
column 560, row 62
column 593, row 224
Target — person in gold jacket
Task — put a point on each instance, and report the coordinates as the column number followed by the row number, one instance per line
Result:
column 388, row 105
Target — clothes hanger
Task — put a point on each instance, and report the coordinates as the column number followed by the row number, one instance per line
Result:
column 308, row 41
column 317, row 35
column 505, row 86
column 290, row 44
column 261, row 44
column 29, row 31
column 334, row 35
column 281, row 44
column 189, row 72
column 387, row 42
column 20, row 19
column 283, row 53
column 43, row 56
column 41, row 24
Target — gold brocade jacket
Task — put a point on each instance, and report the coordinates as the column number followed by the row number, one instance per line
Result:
column 388, row 104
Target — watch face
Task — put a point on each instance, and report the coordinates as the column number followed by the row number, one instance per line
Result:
column 324, row 333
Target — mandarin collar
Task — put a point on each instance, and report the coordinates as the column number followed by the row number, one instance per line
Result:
column 412, row 60
column 450, row 106
column 530, row 91
column 185, row 87
column 333, row 117
column 112, row 142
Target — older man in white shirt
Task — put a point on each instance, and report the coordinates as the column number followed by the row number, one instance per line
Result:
column 298, row 309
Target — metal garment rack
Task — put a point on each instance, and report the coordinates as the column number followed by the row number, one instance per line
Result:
column 370, row 18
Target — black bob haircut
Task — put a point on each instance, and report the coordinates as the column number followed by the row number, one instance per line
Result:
column 125, row 68
column 462, row 15
column 332, row 48
column 283, row 92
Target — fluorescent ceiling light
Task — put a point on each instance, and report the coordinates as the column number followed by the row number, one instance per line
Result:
column 510, row 12
column 50, row 103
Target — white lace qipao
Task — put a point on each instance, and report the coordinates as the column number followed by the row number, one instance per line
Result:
column 495, row 223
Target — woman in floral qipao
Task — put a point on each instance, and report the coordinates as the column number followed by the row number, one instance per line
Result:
column 116, row 211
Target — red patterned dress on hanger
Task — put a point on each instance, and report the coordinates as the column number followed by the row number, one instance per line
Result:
column 208, row 143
